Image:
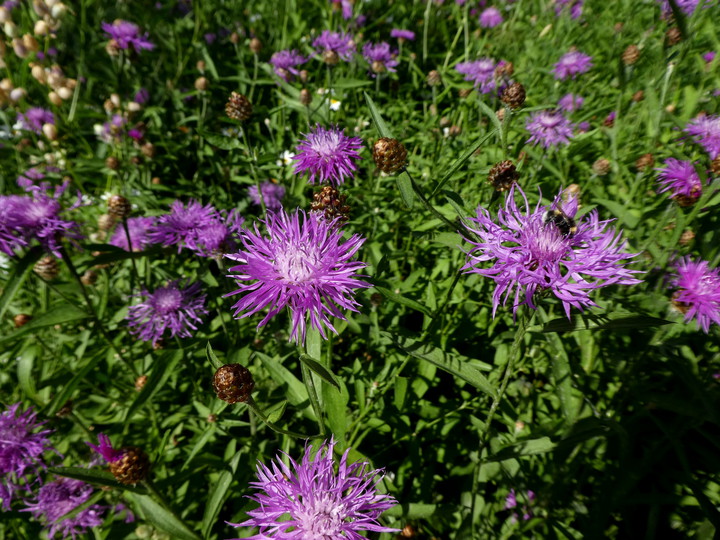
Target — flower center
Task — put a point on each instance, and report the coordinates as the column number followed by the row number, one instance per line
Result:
column 167, row 300
column 321, row 518
column 326, row 147
column 296, row 265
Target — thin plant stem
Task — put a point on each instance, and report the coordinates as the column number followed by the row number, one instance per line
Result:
column 430, row 207
column 264, row 419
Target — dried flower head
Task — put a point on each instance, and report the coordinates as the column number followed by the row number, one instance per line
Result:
column 311, row 500
column 503, row 175
column 331, row 204
column 129, row 464
column 233, row 383
column 327, row 154
column 303, row 264
column 238, row 107
column 389, row 155
column 698, row 292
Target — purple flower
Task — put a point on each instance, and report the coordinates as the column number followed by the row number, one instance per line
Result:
column 549, row 129
column 570, row 102
column 302, row 264
column 284, row 64
column 141, row 96
column 346, row 6
column 546, row 250
column 170, row 308
column 327, row 153
column 34, row 118
column 310, row 500
column 574, row 6
column 572, row 64
column 21, row 449
column 402, row 35
column 106, row 450
column 126, row 35
column 511, row 502
column 57, row 498
column 210, row 38
column 380, row 57
column 272, row 195
column 698, row 294
column 686, row 6
column 112, row 131
column 332, row 46
column 139, row 228
column 480, row 72
column 681, row 179
column 490, row 17
column 709, row 56
column 705, row 131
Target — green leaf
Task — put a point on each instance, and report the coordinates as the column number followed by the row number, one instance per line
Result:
column 212, row 358
column 404, row 184
column 218, row 494
column 296, row 392
column 25, row 370
column 530, row 447
column 621, row 212
column 403, row 300
column 61, row 397
column 58, row 314
column 336, row 400
column 562, row 379
column 453, row 365
column 199, row 444
column 316, row 367
column 162, row 518
column 16, row 279
column 459, row 162
column 412, row 510
column 221, row 141
column 587, row 321
column 380, row 124
column 96, row 477
column 162, row 369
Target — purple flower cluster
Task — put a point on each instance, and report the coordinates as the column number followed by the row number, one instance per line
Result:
column 272, row 195
column 380, row 57
column 698, row 292
column 705, row 131
column 480, row 72
column 113, row 130
column 34, row 118
column 171, row 308
column 681, row 179
column 570, row 103
column 126, row 35
column 302, row 264
column 549, row 128
column 338, row 43
column 572, row 64
column 285, row 64
column 138, row 228
column 328, row 154
column 573, row 6
column 686, row 6
column 21, row 449
column 310, row 500
column 490, row 17
column 512, row 503
column 545, row 250
column 402, row 35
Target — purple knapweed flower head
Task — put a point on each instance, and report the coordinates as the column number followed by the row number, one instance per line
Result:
column 303, row 264
column 310, row 500
column 572, row 64
column 511, row 502
column 55, row 499
column 680, row 178
column 21, row 450
column 574, row 7
column 546, row 250
column 480, row 72
column 705, row 130
column 490, row 17
column 180, row 227
column 380, row 57
column 709, row 56
column 221, row 236
column 34, row 118
column 346, row 7
column 106, row 450
column 549, row 128
column 332, row 46
column 141, row 97
column 127, row 35
column 327, row 154
column 138, row 229
column 402, row 35
column 570, row 103
column 285, row 64
column 112, row 131
column 172, row 309
column 272, row 195
column 686, row 6
column 698, row 292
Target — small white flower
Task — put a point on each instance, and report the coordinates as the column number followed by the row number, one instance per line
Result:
column 286, row 158
column 335, row 104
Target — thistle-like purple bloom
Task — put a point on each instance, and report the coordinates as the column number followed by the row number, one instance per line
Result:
column 328, row 154
column 380, row 57
column 112, row 131
column 686, row 6
column 338, row 43
column 34, row 118
column 480, row 72
column 285, row 64
column 698, row 292
column 681, row 179
column 572, row 64
column 402, row 35
column 139, row 228
column 302, row 264
column 172, row 309
column 705, row 131
column 549, row 128
column 309, row 500
column 570, row 103
column 106, row 450
column 21, row 449
column 272, row 195
column 546, row 250
column 573, row 6
column 490, row 17
column 127, row 35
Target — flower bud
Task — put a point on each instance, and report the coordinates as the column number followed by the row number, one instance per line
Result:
column 89, row 277
column 47, row 268
column 54, row 98
column 4, row 15
column 58, row 11
column 332, row 204
column 10, row 29
column 140, row 382
column 503, row 175
column 601, row 167
column 513, row 96
column 16, row 94
column 645, row 162
column 202, row 84
column 41, row 28
column 21, row 319
column 64, row 92
column 304, row 76
column 50, row 131
column 148, row 150
column 433, row 78
column 233, row 383
column 305, row 97
column 111, row 162
column 132, row 106
column 30, row 43
column 389, row 155
column 131, row 467
column 119, row 207
column 631, row 55
column 255, row 45
column 331, row 58
column 238, row 107
column 39, row 74
column 19, row 48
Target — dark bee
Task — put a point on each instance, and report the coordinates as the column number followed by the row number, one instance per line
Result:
column 564, row 223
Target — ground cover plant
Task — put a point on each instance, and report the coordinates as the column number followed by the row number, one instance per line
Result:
column 330, row 269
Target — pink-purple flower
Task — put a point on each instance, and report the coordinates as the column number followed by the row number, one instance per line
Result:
column 574, row 7
column 138, row 229
column 127, row 35
column 698, row 292
column 480, row 72
column 328, row 155
column 272, row 195
column 303, row 264
column 527, row 499
column 490, row 17
column 380, row 57
column 285, row 64
column 570, row 103
column 172, row 309
column 334, row 45
column 546, row 250
column 549, row 128
column 310, row 500
column 34, row 118
column 686, row 6
column 402, row 35
column 680, row 178
column 705, row 130
column 572, row 64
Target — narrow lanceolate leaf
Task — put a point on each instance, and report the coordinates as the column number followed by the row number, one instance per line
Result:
column 61, row 397
column 316, row 367
column 588, row 321
column 96, row 477
column 403, row 300
column 162, row 518
column 530, row 447
column 212, row 357
column 380, row 124
column 20, row 272
column 218, row 494
column 460, row 161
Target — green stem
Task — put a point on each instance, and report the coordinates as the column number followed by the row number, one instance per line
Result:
column 430, row 207
column 264, row 419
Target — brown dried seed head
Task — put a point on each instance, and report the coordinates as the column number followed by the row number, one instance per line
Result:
column 464, row 92
column 434, row 78
column 202, row 84
column 47, row 268
column 233, row 383
column 503, row 175
column 132, row 467
column 673, row 36
column 255, row 45
column 631, row 55
column 90, row 277
column 238, row 107
column 106, row 222
column 715, row 166
column 21, row 319
column 687, row 237
column 140, row 382
column 389, row 155
column 513, row 96
column 638, row 96
column 645, row 162
column 332, row 204
column 331, row 58
column 305, row 97
column 119, row 207
column 601, row 167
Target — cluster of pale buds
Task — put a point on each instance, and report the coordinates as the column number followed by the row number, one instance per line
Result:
column 61, row 87
column 115, row 105
column 10, row 94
